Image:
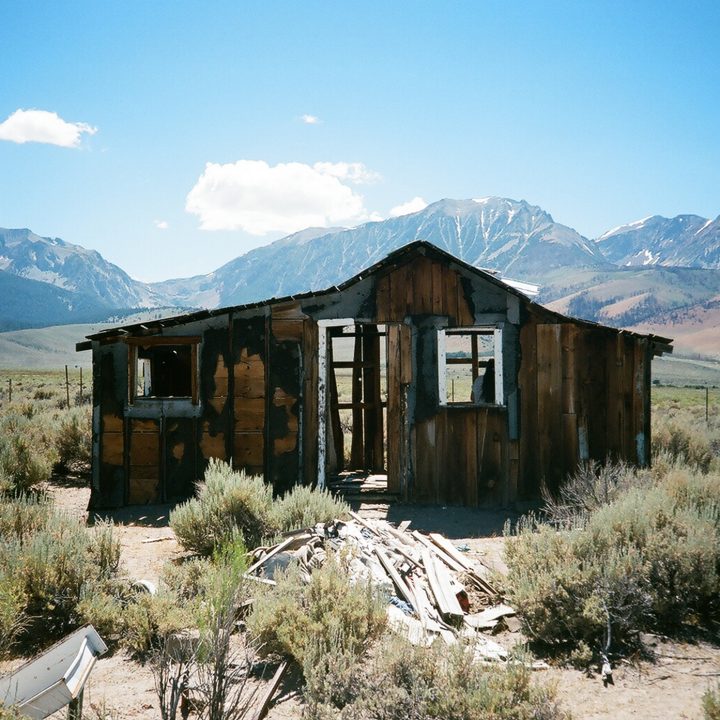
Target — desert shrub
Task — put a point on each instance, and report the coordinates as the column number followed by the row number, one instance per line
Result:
column 650, row 559
column 41, row 394
column 441, row 682
column 686, row 437
column 105, row 611
column 304, row 507
column 328, row 609
column 589, row 488
column 23, row 516
column 27, row 450
column 12, row 616
column 51, row 563
column 74, row 437
column 187, row 580
column 228, row 503
column 711, row 703
column 151, row 619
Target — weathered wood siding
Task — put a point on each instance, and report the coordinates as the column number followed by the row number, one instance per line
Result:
column 584, row 396
column 572, row 391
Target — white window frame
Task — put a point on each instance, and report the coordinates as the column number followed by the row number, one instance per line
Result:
column 442, row 360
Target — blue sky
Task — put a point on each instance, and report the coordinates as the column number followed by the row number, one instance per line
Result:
column 186, row 133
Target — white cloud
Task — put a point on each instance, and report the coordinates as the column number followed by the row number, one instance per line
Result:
column 411, row 206
column 43, row 127
column 161, row 224
column 351, row 172
column 253, row 196
column 310, row 119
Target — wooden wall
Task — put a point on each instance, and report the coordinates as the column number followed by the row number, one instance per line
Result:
column 423, row 287
column 584, row 394
column 573, row 392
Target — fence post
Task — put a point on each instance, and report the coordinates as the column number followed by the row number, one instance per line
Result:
column 67, row 387
column 707, row 405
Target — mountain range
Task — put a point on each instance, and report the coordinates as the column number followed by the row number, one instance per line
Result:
column 658, row 273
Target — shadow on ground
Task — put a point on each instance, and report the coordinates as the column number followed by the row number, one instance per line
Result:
column 450, row 521
column 139, row 515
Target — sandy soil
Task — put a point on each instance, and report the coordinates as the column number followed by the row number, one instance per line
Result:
column 669, row 687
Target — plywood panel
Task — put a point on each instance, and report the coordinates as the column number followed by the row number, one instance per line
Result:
column 213, row 446
column 249, row 414
column 248, row 450
column 113, row 447
column 145, row 448
column 144, row 472
column 112, row 423
column 143, row 490
column 249, row 376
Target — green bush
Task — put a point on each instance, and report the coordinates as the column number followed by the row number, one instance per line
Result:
column 151, row 619
column 228, row 503
column 649, row 559
column 685, row 436
column 231, row 504
column 294, row 614
column 304, row 507
column 74, row 438
column 48, row 565
column 27, row 453
column 23, row 516
column 436, row 683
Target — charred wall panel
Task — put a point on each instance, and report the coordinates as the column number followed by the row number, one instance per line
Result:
column 144, row 461
column 285, row 385
column 111, row 393
column 214, row 426
column 250, row 393
column 180, row 458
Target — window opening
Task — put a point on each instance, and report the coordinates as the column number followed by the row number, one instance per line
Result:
column 470, row 366
column 163, row 368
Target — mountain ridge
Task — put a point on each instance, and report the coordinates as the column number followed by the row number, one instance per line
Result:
column 627, row 276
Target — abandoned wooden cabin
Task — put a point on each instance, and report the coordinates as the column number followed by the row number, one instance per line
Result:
column 443, row 377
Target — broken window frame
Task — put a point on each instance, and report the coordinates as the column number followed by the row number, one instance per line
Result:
column 135, row 343
column 496, row 331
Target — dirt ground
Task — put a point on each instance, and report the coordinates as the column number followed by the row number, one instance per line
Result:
column 669, row 687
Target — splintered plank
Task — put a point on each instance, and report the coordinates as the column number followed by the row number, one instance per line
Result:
column 405, row 592
column 440, row 586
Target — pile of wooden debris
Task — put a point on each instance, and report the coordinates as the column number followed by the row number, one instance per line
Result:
column 433, row 589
